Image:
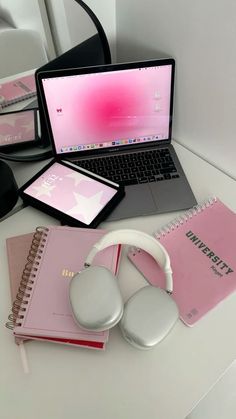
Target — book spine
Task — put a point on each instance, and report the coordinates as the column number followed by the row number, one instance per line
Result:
column 16, row 99
column 19, row 306
column 182, row 219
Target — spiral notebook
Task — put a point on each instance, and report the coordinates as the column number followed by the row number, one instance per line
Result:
column 17, row 251
column 41, row 310
column 17, row 90
column 201, row 245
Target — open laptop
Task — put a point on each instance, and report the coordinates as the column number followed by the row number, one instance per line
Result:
column 116, row 120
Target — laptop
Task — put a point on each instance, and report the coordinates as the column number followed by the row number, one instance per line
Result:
column 116, row 120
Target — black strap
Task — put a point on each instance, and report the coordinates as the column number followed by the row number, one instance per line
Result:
column 30, row 158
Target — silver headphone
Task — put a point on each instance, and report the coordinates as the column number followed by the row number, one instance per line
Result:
column 96, row 302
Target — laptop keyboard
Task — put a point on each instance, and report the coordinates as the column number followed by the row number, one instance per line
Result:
column 133, row 168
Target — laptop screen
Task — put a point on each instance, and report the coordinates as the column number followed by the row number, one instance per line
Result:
column 111, row 106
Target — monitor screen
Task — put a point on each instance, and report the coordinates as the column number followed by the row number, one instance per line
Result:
column 109, row 108
column 93, row 51
column 17, row 128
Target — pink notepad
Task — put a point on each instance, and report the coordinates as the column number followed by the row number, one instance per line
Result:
column 17, row 90
column 45, row 311
column 201, row 245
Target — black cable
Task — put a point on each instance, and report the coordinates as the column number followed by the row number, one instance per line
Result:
column 100, row 30
column 30, row 158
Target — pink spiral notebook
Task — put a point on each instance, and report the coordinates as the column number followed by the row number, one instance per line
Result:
column 17, row 90
column 41, row 309
column 201, row 245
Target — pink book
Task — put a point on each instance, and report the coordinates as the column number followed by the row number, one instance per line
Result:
column 17, row 90
column 201, row 245
column 17, row 251
column 56, row 255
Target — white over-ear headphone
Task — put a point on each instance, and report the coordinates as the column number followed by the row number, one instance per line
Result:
column 96, row 301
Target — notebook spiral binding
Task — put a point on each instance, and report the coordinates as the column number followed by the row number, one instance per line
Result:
column 28, row 277
column 178, row 221
column 17, row 99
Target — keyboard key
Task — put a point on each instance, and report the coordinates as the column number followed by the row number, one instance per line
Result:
column 143, row 180
column 174, row 176
column 129, row 182
column 152, row 179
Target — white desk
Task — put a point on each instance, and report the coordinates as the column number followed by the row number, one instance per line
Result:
column 122, row 382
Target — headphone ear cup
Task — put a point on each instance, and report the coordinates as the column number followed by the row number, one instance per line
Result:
column 148, row 317
column 95, row 299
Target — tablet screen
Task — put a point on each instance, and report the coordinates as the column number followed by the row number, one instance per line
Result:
column 74, row 193
column 17, row 127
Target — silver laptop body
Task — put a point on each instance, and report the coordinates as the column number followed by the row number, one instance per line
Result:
column 115, row 119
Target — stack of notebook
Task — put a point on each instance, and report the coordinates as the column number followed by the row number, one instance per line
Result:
column 41, row 265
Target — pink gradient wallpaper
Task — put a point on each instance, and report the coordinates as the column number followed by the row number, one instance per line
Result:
column 96, row 108
column 71, row 192
column 16, row 127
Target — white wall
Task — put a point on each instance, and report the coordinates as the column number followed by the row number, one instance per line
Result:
column 71, row 24
column 201, row 35
column 29, row 14
column 105, row 10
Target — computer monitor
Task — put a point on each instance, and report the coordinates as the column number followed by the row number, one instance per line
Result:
column 93, row 51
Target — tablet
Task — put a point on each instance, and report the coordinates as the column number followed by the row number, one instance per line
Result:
column 72, row 194
column 18, row 129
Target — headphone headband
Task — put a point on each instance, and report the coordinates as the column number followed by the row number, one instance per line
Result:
column 138, row 239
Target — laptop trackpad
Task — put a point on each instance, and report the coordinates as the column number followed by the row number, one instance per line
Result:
column 137, row 201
